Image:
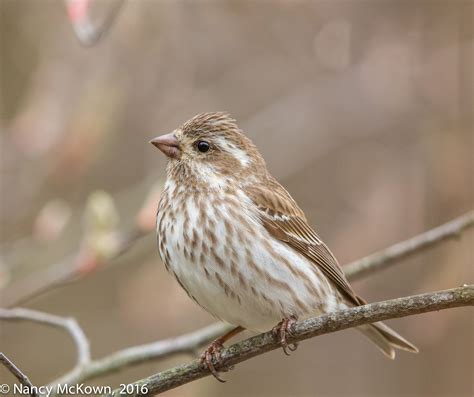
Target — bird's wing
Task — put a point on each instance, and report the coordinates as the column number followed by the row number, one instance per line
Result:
column 285, row 221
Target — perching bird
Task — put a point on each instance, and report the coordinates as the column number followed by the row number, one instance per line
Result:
column 238, row 243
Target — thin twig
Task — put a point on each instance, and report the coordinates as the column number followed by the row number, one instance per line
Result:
column 68, row 324
column 348, row 318
column 388, row 256
column 17, row 373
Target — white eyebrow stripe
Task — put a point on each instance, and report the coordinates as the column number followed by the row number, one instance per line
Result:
column 238, row 153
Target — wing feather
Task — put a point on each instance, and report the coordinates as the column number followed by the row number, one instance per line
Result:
column 285, row 221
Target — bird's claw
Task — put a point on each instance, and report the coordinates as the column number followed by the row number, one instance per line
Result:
column 284, row 329
column 213, row 352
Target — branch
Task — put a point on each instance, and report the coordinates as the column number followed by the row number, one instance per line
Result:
column 17, row 373
column 68, row 324
column 348, row 318
column 187, row 343
column 388, row 256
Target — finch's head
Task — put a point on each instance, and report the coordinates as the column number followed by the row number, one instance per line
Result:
column 210, row 146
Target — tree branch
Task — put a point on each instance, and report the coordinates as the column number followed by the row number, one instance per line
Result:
column 187, row 343
column 17, row 373
column 353, row 317
column 68, row 324
column 388, row 256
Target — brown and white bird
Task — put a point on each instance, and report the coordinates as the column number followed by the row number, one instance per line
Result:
column 238, row 243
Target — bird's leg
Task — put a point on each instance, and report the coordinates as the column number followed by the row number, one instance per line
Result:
column 282, row 330
column 213, row 351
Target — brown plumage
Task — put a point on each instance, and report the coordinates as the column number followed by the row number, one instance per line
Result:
column 238, row 243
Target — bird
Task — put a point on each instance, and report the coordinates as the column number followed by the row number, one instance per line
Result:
column 238, row 243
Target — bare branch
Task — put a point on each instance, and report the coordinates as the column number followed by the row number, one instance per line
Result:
column 187, row 343
column 386, row 257
column 17, row 373
column 68, row 324
column 353, row 317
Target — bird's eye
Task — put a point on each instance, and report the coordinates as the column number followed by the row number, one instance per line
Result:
column 203, row 146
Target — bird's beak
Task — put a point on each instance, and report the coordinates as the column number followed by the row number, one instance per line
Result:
column 168, row 144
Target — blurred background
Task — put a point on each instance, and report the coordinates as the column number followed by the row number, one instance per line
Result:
column 362, row 109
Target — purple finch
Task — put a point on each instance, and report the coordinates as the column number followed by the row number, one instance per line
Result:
column 238, row 243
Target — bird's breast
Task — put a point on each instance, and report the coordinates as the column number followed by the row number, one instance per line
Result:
column 220, row 253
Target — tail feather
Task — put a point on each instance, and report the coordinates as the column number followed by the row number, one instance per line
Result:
column 386, row 339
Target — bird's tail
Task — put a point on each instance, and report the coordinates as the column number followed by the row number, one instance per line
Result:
column 386, row 339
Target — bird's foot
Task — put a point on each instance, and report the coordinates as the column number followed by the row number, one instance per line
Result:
column 213, row 351
column 284, row 329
